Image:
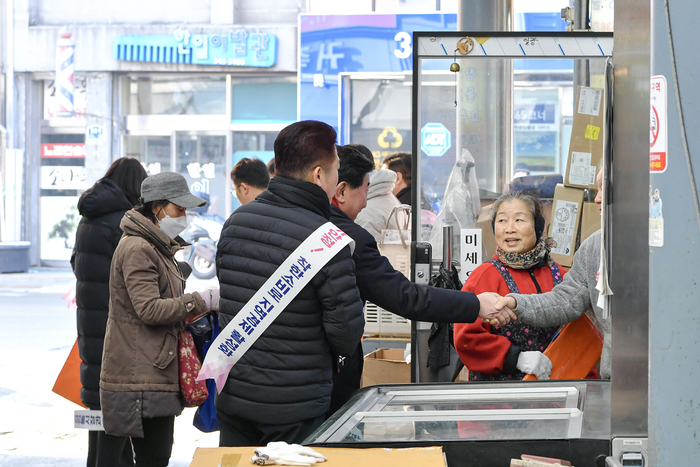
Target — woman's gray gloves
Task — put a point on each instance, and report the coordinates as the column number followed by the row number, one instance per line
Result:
column 211, row 298
column 535, row 363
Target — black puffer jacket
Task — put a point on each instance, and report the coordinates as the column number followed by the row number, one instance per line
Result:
column 102, row 208
column 286, row 376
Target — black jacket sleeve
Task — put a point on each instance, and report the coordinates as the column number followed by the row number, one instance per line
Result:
column 383, row 285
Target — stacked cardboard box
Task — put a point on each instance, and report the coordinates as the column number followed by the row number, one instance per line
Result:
column 573, row 220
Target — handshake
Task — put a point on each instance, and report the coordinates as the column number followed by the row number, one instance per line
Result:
column 496, row 310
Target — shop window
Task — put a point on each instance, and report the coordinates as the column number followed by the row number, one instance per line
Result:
column 175, row 95
column 264, row 100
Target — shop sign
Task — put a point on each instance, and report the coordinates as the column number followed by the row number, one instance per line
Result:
column 63, row 177
column 237, row 47
column 95, row 133
column 534, row 117
column 72, row 150
column 658, row 127
column 435, row 139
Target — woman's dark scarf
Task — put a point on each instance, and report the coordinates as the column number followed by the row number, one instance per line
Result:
column 538, row 256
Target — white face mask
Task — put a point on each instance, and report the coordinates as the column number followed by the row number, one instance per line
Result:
column 173, row 226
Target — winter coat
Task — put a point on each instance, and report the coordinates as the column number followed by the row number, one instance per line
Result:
column 286, row 376
column 386, row 287
column 147, row 306
column 492, row 353
column 571, row 299
column 102, row 208
column 380, row 202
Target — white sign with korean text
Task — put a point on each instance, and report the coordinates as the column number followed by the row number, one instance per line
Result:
column 273, row 297
column 63, row 177
column 469, row 251
column 88, row 420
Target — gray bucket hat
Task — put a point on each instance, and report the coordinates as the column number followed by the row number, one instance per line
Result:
column 170, row 186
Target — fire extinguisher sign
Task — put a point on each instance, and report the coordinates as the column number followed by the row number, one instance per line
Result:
column 658, row 128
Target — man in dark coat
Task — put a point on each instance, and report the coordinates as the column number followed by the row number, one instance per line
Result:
column 280, row 389
column 383, row 285
column 102, row 207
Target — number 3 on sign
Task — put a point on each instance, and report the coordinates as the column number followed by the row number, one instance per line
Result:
column 404, row 40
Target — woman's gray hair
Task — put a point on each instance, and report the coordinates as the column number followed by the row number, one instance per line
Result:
column 529, row 198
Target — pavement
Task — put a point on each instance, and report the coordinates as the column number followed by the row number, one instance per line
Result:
column 36, row 425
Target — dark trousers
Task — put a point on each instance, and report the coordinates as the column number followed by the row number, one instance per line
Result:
column 236, row 431
column 107, row 451
column 153, row 450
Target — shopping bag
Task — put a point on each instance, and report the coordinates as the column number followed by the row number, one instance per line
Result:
column 205, row 417
column 67, row 383
column 193, row 392
column 575, row 351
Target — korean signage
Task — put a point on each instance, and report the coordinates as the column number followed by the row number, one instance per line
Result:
column 469, row 251
column 52, row 100
column 63, row 177
column 534, row 117
column 658, row 126
column 237, row 47
column 60, row 150
column 333, row 44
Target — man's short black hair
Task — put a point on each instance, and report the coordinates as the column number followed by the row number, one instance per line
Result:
column 364, row 150
column 353, row 166
column 302, row 146
column 400, row 162
column 252, row 172
column 271, row 167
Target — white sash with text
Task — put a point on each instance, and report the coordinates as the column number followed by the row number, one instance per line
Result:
column 272, row 298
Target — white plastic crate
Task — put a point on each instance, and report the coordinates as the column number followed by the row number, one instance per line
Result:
column 379, row 322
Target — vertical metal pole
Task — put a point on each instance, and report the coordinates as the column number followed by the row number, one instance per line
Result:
column 229, row 143
column 629, row 221
column 582, row 72
column 10, row 74
column 484, row 127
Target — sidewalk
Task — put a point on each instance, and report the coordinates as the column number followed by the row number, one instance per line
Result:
column 36, row 425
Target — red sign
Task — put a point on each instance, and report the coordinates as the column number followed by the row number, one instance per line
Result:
column 658, row 128
column 74, row 150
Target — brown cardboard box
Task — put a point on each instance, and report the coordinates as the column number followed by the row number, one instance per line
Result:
column 338, row 457
column 587, row 138
column 385, row 366
column 590, row 221
column 566, row 217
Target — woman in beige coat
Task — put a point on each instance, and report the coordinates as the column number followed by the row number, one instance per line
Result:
column 139, row 385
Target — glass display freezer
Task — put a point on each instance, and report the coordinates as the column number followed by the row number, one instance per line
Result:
column 478, row 424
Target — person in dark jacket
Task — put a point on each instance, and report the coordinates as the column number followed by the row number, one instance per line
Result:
column 383, row 285
column 280, row 389
column 102, row 207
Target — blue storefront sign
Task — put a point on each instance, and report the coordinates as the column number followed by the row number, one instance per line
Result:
column 237, row 47
column 333, row 44
column 435, row 139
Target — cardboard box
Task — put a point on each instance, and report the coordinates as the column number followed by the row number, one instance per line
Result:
column 385, row 366
column 587, row 138
column 566, row 217
column 431, row 456
column 590, row 221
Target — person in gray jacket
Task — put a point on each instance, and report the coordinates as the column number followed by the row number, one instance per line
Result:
column 572, row 298
column 380, row 203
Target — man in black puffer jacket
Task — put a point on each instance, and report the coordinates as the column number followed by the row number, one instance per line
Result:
column 102, row 208
column 280, row 389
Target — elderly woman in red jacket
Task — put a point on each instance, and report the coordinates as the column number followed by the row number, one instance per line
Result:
column 521, row 265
